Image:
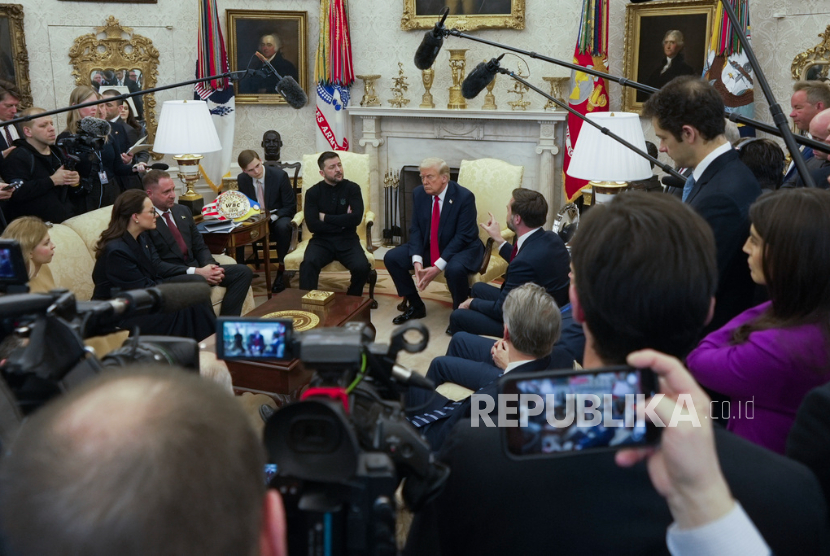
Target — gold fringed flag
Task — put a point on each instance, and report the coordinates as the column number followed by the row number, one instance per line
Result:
column 727, row 66
column 334, row 74
column 587, row 93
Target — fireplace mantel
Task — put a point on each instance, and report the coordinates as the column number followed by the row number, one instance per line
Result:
column 395, row 137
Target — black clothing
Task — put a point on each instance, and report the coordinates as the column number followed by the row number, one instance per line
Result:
column 38, row 196
column 656, row 79
column 128, row 263
column 336, row 237
column 280, row 200
column 261, row 84
column 89, row 168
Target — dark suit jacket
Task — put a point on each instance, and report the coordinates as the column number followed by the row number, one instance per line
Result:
column 457, row 229
column 279, row 195
column 38, row 196
column 126, row 264
column 722, row 196
column 172, row 261
column 543, row 260
column 586, row 504
column 809, row 440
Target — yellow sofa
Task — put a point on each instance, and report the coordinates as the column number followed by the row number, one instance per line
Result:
column 74, row 259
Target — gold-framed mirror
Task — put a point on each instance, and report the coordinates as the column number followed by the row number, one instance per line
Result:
column 113, row 57
column 814, row 64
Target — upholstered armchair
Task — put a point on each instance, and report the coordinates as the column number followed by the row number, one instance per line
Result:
column 492, row 181
column 356, row 169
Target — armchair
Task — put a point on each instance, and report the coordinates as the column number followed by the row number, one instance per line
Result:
column 356, row 169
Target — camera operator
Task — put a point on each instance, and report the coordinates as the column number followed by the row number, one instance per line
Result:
column 99, row 165
column 39, row 164
column 140, row 462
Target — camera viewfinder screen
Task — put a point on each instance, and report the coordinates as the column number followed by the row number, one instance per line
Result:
column 255, row 339
column 579, row 412
column 7, row 271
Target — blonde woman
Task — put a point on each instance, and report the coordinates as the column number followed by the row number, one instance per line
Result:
column 33, row 236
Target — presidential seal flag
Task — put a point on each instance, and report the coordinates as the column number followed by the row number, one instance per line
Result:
column 218, row 93
column 587, row 93
column 334, row 74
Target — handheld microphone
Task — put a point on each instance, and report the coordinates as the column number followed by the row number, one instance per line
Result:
column 480, row 77
column 157, row 166
column 95, row 126
column 411, row 378
column 431, row 44
column 287, row 86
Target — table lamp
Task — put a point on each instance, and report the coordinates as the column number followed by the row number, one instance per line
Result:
column 185, row 128
column 606, row 163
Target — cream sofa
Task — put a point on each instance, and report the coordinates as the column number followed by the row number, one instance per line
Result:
column 74, row 259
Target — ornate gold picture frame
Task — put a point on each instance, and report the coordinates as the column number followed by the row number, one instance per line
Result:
column 815, row 62
column 645, row 27
column 280, row 36
column 114, row 57
column 465, row 15
column 14, row 60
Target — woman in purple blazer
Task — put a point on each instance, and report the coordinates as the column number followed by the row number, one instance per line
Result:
column 768, row 357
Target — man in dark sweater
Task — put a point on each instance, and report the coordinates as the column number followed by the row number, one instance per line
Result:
column 333, row 208
column 38, row 163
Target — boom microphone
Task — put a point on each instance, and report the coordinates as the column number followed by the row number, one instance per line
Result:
column 287, row 86
column 431, row 44
column 480, row 77
column 95, row 126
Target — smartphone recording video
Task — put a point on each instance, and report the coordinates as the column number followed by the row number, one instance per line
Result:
column 568, row 412
column 254, row 339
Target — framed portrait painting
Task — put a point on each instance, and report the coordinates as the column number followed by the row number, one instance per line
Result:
column 14, row 60
column 465, row 15
column 281, row 38
column 663, row 40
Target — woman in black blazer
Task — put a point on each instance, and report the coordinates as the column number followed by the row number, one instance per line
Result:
column 127, row 260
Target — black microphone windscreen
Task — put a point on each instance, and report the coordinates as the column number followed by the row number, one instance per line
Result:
column 428, row 50
column 180, row 295
column 478, row 79
column 95, row 126
column 671, row 181
column 158, row 166
column 292, row 92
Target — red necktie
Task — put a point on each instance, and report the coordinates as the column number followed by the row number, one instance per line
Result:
column 434, row 253
column 514, row 251
column 177, row 235
column 8, row 136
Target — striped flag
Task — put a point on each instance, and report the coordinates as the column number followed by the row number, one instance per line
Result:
column 587, row 93
column 218, row 93
column 727, row 66
column 334, row 74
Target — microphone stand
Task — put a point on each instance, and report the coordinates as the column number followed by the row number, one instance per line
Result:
column 604, row 130
column 774, row 108
column 816, row 145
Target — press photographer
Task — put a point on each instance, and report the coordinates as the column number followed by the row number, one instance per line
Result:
column 42, row 170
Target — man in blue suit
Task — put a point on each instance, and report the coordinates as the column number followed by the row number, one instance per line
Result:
column 532, row 324
column 537, row 256
column 443, row 238
column 687, row 115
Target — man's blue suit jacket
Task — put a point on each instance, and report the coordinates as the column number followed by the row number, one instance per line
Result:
column 543, row 260
column 457, row 229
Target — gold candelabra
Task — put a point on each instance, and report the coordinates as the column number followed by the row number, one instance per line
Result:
column 400, row 86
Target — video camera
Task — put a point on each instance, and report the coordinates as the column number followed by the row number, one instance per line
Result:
column 341, row 452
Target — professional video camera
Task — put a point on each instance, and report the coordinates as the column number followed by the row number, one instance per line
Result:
column 83, row 145
column 46, row 331
column 341, row 452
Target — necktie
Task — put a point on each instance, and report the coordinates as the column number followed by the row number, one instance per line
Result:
column 260, row 195
column 419, row 421
column 687, row 189
column 515, row 250
column 177, row 235
column 434, row 253
column 8, row 136
column 808, row 153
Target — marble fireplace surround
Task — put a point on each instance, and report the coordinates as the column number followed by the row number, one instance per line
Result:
column 395, row 137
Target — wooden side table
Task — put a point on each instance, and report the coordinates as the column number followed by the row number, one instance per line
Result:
column 249, row 233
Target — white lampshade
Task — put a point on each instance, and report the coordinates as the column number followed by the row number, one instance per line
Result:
column 598, row 157
column 185, row 127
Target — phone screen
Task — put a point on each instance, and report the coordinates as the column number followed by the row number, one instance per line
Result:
column 567, row 412
column 252, row 339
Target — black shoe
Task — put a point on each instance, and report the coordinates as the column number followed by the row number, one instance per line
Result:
column 411, row 313
column 449, row 331
column 266, row 411
column 278, row 285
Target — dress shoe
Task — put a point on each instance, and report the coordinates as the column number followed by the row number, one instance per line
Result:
column 411, row 313
column 278, row 285
column 266, row 411
column 449, row 331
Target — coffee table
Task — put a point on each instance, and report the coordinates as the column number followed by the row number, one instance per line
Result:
column 282, row 380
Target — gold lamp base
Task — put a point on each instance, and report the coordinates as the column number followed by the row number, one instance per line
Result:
column 604, row 191
column 189, row 174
